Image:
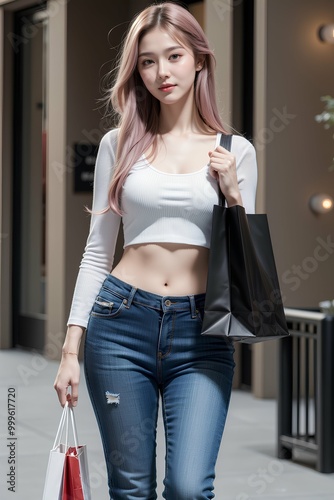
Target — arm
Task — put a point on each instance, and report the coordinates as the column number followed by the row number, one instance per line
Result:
column 94, row 267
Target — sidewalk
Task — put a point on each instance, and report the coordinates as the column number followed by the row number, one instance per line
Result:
column 247, row 468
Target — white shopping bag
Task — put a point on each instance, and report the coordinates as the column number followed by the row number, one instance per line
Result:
column 53, row 486
column 54, row 474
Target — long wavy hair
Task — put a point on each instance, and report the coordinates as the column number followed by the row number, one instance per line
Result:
column 136, row 109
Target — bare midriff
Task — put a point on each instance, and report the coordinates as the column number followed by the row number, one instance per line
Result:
column 164, row 268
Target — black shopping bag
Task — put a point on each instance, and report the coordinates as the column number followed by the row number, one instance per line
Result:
column 243, row 299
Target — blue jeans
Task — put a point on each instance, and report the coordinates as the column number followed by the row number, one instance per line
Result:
column 139, row 344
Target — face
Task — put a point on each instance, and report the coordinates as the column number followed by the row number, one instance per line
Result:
column 167, row 68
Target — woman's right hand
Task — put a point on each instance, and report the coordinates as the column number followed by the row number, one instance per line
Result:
column 69, row 369
column 68, row 376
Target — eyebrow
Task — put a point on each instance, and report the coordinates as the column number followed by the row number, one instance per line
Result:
column 167, row 50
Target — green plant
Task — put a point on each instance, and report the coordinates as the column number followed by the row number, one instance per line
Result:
column 327, row 116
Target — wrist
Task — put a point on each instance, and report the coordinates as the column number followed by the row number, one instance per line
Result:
column 68, row 352
column 75, row 331
column 72, row 341
column 233, row 199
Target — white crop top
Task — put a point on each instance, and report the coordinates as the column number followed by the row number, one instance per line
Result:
column 157, row 207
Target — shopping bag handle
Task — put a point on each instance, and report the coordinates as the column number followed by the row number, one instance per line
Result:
column 225, row 142
column 68, row 410
column 74, row 427
column 63, row 422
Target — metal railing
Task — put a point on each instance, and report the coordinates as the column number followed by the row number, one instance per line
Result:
column 306, row 388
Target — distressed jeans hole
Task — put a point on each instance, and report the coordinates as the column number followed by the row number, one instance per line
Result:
column 112, row 399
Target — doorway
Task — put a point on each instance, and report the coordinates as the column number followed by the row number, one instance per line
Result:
column 29, row 178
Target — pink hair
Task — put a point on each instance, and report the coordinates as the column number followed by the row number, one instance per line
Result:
column 137, row 109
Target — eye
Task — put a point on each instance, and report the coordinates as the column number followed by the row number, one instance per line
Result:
column 175, row 57
column 147, row 62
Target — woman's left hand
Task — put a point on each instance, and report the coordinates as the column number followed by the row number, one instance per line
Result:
column 223, row 168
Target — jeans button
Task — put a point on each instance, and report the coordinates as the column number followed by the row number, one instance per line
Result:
column 167, row 302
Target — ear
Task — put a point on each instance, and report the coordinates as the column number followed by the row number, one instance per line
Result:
column 200, row 63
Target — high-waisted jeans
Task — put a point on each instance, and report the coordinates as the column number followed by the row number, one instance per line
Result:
column 139, row 345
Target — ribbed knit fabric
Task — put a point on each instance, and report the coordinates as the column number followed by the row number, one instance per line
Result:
column 157, row 207
column 161, row 207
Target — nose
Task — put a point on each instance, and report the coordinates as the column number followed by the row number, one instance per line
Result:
column 163, row 71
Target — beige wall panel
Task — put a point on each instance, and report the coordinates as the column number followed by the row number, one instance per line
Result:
column 300, row 69
column 293, row 69
column 198, row 11
column 260, row 92
column 218, row 28
column 56, row 182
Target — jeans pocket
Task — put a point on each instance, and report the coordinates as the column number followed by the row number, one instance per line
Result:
column 108, row 305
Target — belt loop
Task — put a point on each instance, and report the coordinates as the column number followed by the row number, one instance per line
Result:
column 192, row 306
column 129, row 300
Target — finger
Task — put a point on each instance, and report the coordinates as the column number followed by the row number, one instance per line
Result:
column 222, row 167
column 223, row 153
column 220, row 159
column 223, row 164
column 217, row 154
column 74, row 394
column 213, row 173
column 70, row 400
column 220, row 149
column 61, row 392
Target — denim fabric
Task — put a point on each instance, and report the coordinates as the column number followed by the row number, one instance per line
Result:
column 139, row 345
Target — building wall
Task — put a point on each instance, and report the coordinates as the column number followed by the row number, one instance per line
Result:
column 300, row 69
column 6, row 184
column 293, row 69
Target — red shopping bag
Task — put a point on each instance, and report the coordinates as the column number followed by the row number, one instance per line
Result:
column 72, row 484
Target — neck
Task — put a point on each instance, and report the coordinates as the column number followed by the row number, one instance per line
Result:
column 181, row 118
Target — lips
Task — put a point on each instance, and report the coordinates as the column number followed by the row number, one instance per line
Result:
column 167, row 87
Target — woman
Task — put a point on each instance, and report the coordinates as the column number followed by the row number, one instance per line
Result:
column 143, row 319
